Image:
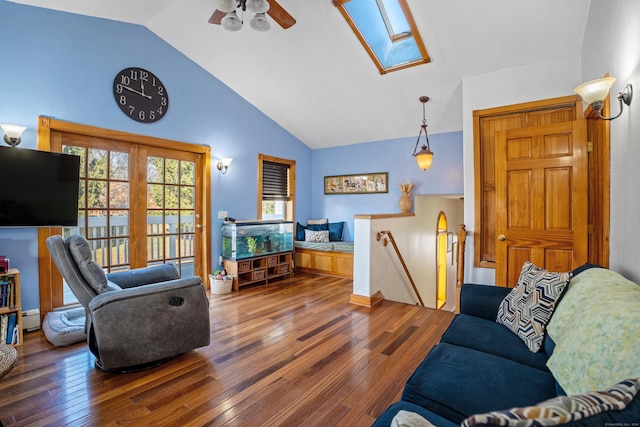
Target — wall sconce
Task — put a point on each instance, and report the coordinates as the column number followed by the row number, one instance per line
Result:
column 12, row 134
column 223, row 164
column 595, row 92
column 424, row 157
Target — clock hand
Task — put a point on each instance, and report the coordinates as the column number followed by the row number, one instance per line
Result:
column 136, row 92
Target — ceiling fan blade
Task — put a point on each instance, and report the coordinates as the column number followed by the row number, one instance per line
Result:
column 281, row 16
column 217, row 17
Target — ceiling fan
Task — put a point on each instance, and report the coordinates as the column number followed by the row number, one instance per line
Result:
column 226, row 15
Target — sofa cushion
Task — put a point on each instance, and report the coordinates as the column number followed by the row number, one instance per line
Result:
column 299, row 231
column 387, row 417
column 456, row 382
column 493, row 338
column 335, row 231
column 529, row 306
column 598, row 408
column 596, row 329
column 318, row 224
column 92, row 272
column 320, row 236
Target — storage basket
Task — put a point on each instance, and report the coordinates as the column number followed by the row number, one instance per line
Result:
column 219, row 287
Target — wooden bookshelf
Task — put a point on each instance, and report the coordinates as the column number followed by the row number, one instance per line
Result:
column 10, row 303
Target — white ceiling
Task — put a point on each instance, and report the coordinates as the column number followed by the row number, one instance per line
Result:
column 316, row 80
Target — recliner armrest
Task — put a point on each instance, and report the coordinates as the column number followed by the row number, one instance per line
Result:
column 137, row 294
column 144, row 276
column 482, row 300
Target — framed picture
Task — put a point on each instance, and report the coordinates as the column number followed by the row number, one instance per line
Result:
column 357, row 183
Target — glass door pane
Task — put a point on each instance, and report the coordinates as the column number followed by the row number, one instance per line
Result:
column 103, row 207
column 171, row 212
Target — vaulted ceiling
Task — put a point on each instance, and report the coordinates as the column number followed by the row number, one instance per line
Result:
column 315, row 79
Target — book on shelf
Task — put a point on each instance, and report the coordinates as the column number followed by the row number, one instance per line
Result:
column 7, row 293
column 4, row 321
column 11, row 326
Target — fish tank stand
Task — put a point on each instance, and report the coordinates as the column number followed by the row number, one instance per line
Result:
column 257, row 251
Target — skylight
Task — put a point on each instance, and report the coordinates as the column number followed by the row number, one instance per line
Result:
column 387, row 31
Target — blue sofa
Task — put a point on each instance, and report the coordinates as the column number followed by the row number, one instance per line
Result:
column 480, row 366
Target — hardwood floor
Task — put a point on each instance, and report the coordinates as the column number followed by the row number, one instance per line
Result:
column 291, row 353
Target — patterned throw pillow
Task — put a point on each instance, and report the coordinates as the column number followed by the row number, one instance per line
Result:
column 527, row 309
column 321, row 236
column 562, row 409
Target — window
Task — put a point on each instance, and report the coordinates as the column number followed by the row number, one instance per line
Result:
column 276, row 188
column 387, row 31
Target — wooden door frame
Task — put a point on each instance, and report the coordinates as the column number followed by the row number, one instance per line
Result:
column 48, row 272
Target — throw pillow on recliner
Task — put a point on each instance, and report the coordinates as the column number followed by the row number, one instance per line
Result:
column 92, row 272
column 527, row 309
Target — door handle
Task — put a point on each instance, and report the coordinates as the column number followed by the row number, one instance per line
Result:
column 502, row 237
column 198, row 226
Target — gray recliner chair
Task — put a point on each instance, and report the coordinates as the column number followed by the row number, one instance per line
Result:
column 135, row 319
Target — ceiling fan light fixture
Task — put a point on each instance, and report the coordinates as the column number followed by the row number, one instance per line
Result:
column 257, row 6
column 225, row 5
column 231, row 22
column 260, row 22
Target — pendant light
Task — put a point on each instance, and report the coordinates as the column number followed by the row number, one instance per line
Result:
column 424, row 157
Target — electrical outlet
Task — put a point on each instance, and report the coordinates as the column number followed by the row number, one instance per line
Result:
column 220, row 260
column 222, row 214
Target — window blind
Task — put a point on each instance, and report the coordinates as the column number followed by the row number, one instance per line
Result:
column 275, row 181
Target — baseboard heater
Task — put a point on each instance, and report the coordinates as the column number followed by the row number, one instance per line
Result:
column 31, row 320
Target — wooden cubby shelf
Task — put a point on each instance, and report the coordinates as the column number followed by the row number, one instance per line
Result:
column 259, row 269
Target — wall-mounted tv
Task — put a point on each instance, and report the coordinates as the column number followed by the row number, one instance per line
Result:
column 38, row 188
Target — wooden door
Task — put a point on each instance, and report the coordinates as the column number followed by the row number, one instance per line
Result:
column 541, row 199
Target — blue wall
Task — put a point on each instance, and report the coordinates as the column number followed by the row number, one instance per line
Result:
column 62, row 66
column 393, row 156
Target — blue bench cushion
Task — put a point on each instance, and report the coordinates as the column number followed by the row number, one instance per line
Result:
column 493, row 338
column 384, row 420
column 457, row 382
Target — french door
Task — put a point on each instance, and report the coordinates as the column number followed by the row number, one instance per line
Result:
column 139, row 205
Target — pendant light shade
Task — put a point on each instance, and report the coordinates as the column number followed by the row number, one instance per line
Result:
column 424, row 157
column 225, row 5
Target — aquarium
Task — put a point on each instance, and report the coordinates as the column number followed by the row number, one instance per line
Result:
column 248, row 239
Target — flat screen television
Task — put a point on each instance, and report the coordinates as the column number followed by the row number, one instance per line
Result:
column 38, row 188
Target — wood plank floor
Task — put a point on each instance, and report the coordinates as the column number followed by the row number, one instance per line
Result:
column 290, row 353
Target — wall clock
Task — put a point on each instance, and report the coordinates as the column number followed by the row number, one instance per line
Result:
column 140, row 95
